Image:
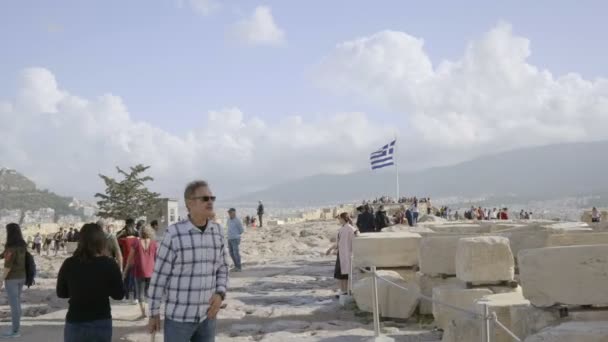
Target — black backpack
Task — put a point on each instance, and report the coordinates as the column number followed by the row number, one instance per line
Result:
column 30, row 269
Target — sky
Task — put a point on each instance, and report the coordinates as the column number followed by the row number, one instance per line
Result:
column 247, row 94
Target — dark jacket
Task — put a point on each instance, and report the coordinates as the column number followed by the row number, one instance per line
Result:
column 382, row 221
column 365, row 222
column 260, row 209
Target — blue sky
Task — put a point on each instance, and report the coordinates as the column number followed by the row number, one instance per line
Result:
column 276, row 90
column 172, row 64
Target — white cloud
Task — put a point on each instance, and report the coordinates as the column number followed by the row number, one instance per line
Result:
column 259, row 29
column 204, row 7
column 489, row 99
column 63, row 141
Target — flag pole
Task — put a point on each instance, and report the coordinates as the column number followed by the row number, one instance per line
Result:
column 396, row 169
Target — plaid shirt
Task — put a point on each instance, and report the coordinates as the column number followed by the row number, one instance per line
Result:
column 190, row 268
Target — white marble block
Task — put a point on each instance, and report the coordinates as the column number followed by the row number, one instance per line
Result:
column 573, row 332
column 437, row 254
column 386, row 249
column 393, row 302
column 426, row 284
column 457, row 296
column 484, row 259
column 572, row 275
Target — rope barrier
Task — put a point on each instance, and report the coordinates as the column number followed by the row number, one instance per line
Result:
column 472, row 314
column 505, row 329
column 453, row 307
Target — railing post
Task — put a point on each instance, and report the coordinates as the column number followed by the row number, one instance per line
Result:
column 375, row 309
column 350, row 275
column 485, row 327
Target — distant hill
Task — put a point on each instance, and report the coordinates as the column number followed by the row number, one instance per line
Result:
column 536, row 173
column 19, row 192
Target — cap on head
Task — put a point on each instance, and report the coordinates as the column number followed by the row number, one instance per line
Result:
column 232, row 210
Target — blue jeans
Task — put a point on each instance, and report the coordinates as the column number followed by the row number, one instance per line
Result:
column 190, row 332
column 93, row 331
column 130, row 284
column 13, row 292
column 235, row 254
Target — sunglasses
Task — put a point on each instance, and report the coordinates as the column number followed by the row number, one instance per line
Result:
column 204, row 198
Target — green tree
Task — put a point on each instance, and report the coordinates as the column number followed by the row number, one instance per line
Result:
column 128, row 197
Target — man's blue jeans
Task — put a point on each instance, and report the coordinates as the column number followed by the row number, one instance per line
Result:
column 93, row 331
column 235, row 253
column 190, row 332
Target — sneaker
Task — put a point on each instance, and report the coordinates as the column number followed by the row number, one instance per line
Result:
column 135, row 302
column 10, row 334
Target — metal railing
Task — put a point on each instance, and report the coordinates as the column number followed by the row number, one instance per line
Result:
column 486, row 317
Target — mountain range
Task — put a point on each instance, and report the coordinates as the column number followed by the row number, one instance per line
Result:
column 534, row 173
column 19, row 192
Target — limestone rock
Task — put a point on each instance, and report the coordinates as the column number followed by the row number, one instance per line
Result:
column 565, row 227
column 393, row 302
column 501, row 304
column 461, row 228
column 484, row 259
column 573, row 275
column 426, row 284
column 407, row 273
column 398, row 228
column 575, row 239
column 431, row 218
column 437, row 254
column 573, row 332
column 527, row 320
column 462, row 329
column 457, row 296
column 526, row 237
column 386, row 249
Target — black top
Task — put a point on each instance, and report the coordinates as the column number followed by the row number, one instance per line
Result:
column 88, row 284
column 366, row 222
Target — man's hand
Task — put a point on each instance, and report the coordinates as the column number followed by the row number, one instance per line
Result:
column 214, row 306
column 154, row 324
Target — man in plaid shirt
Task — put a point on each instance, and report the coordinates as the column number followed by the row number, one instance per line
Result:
column 191, row 272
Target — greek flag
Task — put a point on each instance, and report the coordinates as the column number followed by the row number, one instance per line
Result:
column 383, row 157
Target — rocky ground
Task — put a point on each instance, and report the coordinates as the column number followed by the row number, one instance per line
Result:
column 285, row 293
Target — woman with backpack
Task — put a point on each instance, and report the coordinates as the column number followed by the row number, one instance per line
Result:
column 88, row 278
column 14, row 274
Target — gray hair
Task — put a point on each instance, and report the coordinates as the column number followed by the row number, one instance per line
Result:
column 192, row 187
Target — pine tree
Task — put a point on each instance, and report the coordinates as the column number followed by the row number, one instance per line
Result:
column 128, row 197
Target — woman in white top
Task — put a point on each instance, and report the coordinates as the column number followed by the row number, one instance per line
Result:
column 595, row 215
column 344, row 247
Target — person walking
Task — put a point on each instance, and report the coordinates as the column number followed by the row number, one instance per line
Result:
column 260, row 212
column 125, row 242
column 344, row 247
column 141, row 260
column 14, row 275
column 58, row 237
column 235, row 230
column 415, row 212
column 112, row 248
column 38, row 243
column 88, row 279
column 191, row 272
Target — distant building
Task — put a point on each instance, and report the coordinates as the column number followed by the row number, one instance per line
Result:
column 166, row 213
